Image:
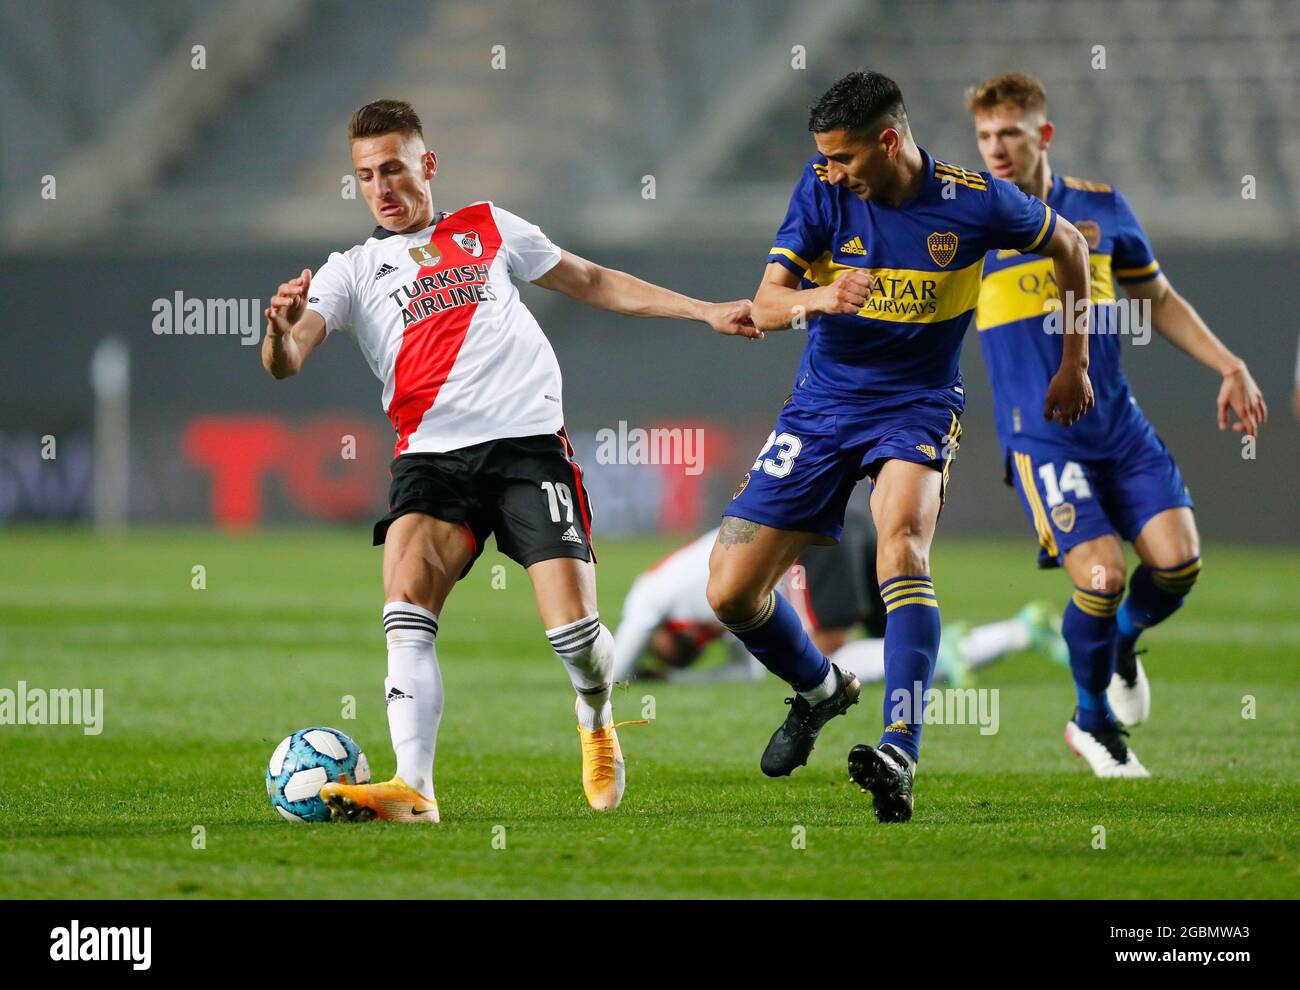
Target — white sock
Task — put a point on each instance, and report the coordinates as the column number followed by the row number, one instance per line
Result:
column 823, row 690
column 587, row 649
column 414, row 691
column 864, row 658
column 985, row 643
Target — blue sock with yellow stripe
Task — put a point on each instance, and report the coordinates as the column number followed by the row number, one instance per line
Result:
column 1090, row 631
column 911, row 646
column 775, row 636
column 1154, row 594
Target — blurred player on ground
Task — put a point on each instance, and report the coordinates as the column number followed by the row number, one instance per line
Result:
column 472, row 388
column 833, row 589
column 1110, row 478
column 879, row 256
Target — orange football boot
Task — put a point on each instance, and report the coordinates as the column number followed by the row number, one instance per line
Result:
column 393, row 800
column 603, row 772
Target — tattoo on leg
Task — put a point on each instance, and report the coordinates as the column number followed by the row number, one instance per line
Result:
column 735, row 530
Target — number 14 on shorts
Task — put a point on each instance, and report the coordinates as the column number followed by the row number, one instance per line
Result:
column 787, row 447
column 1072, row 480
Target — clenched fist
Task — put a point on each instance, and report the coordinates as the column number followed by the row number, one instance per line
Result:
column 1069, row 396
column 732, row 319
column 847, row 294
column 288, row 304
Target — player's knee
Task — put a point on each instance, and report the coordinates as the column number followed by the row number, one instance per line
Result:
column 419, row 578
column 905, row 551
column 732, row 600
column 1097, row 565
column 411, row 591
column 1106, row 577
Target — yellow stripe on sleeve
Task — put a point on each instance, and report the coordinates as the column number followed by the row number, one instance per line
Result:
column 1143, row 272
column 787, row 253
column 1042, row 231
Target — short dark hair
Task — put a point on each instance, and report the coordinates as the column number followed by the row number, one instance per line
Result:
column 1019, row 89
column 385, row 117
column 857, row 103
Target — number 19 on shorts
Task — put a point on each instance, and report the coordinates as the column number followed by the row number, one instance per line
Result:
column 557, row 496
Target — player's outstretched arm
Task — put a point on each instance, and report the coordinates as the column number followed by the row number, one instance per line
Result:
column 619, row 292
column 1177, row 321
column 292, row 330
column 779, row 303
column 1069, row 394
column 642, row 615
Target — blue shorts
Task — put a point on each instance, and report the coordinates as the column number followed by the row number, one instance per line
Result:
column 811, row 461
column 1071, row 499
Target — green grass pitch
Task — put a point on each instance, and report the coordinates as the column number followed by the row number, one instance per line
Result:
column 199, row 686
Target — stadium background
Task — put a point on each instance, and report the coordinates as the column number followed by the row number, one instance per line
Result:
column 217, row 182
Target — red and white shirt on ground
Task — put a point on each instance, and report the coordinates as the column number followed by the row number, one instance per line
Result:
column 673, row 593
column 441, row 324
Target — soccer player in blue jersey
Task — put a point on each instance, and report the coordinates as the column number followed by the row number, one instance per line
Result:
column 879, row 257
column 1110, row 478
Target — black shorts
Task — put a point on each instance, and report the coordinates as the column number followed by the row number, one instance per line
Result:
column 840, row 580
column 527, row 490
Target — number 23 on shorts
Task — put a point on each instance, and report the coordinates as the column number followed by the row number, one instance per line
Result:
column 787, row 447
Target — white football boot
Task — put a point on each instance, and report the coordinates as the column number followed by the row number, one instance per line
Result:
column 1129, row 693
column 1106, row 751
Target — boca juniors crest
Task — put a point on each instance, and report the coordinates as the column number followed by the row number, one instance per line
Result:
column 1091, row 231
column 1063, row 516
column 943, row 247
column 469, row 243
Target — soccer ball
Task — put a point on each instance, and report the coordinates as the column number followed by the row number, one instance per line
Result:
column 303, row 763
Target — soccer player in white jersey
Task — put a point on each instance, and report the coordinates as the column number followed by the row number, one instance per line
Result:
column 833, row 590
column 472, row 388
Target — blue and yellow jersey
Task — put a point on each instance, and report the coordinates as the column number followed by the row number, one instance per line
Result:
column 1022, row 356
column 927, row 255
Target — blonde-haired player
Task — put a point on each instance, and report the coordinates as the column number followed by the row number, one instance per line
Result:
column 1109, row 477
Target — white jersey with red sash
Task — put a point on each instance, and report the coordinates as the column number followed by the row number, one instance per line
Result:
column 441, row 324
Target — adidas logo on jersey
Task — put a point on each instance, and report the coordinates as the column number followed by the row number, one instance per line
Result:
column 395, row 693
column 853, row 246
column 571, row 536
column 384, row 269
